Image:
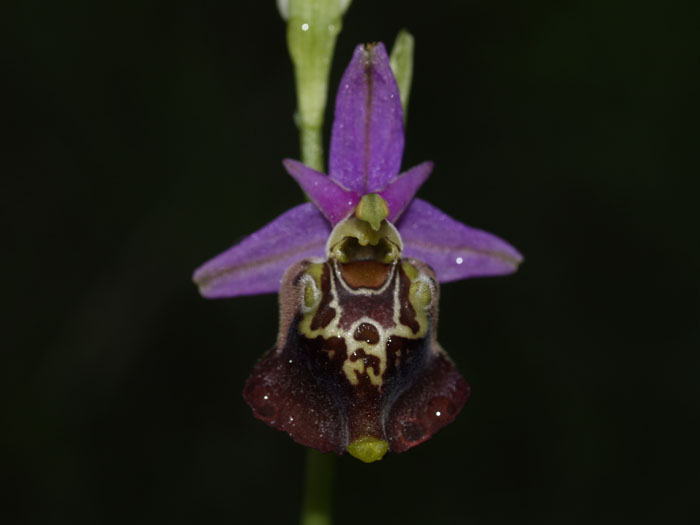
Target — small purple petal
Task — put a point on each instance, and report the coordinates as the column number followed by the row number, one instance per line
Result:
column 399, row 193
column 454, row 250
column 256, row 264
column 367, row 139
column 334, row 201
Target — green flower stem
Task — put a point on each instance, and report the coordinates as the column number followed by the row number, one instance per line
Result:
column 312, row 147
column 317, row 505
column 312, row 29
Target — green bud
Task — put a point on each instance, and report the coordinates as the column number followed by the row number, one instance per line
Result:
column 312, row 28
column 401, row 61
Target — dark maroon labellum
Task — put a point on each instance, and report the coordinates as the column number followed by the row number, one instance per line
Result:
column 357, row 357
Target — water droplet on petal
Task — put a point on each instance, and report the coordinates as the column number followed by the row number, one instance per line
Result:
column 459, row 260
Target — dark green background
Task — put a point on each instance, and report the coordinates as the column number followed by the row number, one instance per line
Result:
column 142, row 138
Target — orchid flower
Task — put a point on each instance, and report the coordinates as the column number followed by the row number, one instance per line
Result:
column 357, row 366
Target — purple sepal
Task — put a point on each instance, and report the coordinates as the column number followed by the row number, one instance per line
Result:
column 257, row 263
column 334, row 201
column 454, row 250
column 399, row 193
column 367, row 139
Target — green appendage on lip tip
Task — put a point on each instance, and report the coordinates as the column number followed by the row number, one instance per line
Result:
column 368, row 449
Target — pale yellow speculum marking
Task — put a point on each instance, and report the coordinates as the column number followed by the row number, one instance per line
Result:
column 333, row 329
column 357, row 367
column 420, row 295
column 353, row 368
column 350, row 368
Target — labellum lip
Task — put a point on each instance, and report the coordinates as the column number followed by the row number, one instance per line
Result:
column 360, row 370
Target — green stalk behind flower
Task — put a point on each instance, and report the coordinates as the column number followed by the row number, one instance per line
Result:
column 312, row 28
